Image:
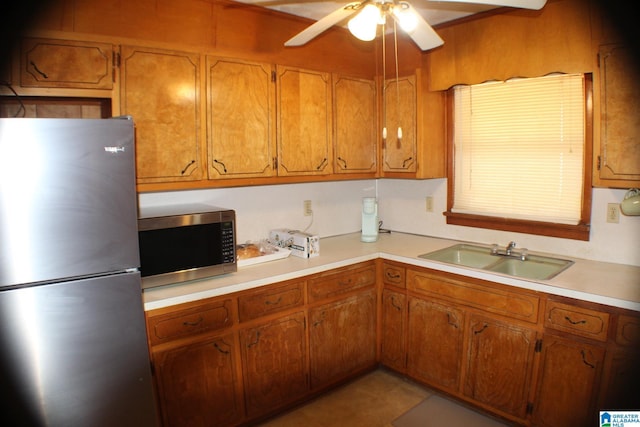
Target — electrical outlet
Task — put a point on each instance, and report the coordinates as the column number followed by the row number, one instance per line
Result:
column 429, row 203
column 307, row 208
column 613, row 213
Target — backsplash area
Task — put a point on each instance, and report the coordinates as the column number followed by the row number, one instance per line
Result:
column 401, row 205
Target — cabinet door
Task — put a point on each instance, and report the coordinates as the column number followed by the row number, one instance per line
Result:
column 619, row 156
column 241, row 119
column 304, row 122
column 66, row 64
column 342, row 338
column 400, row 112
column 435, row 339
column 354, row 115
column 161, row 91
column 499, row 364
column 274, row 367
column 196, row 384
column 394, row 315
column 567, row 383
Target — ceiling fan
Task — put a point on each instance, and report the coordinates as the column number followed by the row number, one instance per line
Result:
column 371, row 13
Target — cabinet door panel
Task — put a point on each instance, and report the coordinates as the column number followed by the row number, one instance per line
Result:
column 161, row 91
column 342, row 338
column 435, row 343
column 394, row 313
column 499, row 364
column 304, row 122
column 196, row 384
column 241, row 119
column 567, row 383
column 273, row 356
column 400, row 108
column 66, row 64
column 354, row 115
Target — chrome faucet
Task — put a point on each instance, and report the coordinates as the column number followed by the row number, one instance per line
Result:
column 510, row 251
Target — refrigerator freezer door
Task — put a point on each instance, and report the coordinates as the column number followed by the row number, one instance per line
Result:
column 75, row 354
column 68, row 205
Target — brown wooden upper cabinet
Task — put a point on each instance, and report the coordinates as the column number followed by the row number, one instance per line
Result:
column 160, row 89
column 52, row 63
column 241, row 141
column 618, row 158
column 355, row 119
column 303, row 102
column 399, row 111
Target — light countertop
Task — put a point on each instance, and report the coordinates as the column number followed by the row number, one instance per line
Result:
column 605, row 283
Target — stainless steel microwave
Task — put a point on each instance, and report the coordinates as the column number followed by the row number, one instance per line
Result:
column 181, row 243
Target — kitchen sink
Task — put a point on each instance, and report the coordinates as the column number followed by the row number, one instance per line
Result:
column 532, row 267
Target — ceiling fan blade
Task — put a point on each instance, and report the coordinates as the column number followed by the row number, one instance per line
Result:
column 522, row 4
column 423, row 35
column 323, row 24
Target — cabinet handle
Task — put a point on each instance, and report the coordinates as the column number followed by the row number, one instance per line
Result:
column 215, row 344
column 584, row 360
column 187, row 167
column 577, row 322
column 268, row 302
column 35, row 67
column 455, row 325
column 224, row 168
column 486, row 325
column 343, row 161
column 196, row 323
column 392, row 276
column 393, row 303
column 407, row 162
column 322, row 164
column 341, row 283
column 251, row 344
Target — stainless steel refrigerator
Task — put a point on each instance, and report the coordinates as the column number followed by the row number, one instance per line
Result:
column 72, row 332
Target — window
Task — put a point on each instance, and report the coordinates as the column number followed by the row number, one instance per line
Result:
column 520, row 156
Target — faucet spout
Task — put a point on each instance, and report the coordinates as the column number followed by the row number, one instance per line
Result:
column 510, row 246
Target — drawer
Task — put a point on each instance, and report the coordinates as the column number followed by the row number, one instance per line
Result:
column 487, row 297
column 191, row 321
column 342, row 281
column 393, row 275
column 628, row 330
column 580, row 321
column 269, row 300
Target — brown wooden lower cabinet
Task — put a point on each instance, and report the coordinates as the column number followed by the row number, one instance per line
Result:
column 197, row 384
column 274, row 363
column 530, row 358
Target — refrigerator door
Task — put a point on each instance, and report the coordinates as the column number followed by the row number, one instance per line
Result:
column 75, row 354
column 68, row 205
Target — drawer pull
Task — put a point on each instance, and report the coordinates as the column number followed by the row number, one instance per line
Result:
column 35, row 67
column 577, row 322
column 392, row 276
column 584, row 360
column 343, row 283
column 268, row 302
column 486, row 325
column 215, row 344
column 196, row 323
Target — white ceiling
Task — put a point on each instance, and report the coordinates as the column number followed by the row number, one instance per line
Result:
column 434, row 12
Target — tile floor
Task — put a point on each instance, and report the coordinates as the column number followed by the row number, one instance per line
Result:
column 377, row 400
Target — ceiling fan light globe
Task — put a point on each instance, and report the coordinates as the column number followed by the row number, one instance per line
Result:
column 406, row 18
column 364, row 25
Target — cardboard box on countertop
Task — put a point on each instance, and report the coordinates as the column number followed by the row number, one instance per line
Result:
column 303, row 245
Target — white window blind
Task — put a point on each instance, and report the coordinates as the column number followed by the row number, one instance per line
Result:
column 519, row 148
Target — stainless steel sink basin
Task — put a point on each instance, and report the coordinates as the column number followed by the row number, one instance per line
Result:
column 533, row 267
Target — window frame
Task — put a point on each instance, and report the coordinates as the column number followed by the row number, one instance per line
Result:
column 580, row 231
